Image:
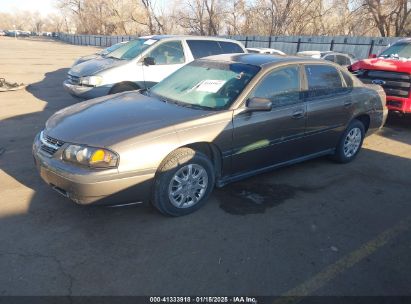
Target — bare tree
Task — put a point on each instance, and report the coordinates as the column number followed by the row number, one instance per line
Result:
column 390, row 16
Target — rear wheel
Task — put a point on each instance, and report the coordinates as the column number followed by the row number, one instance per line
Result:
column 350, row 142
column 183, row 182
column 123, row 87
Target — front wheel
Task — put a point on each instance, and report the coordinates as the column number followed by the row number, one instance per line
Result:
column 350, row 142
column 183, row 182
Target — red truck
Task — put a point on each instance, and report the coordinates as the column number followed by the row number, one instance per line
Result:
column 392, row 70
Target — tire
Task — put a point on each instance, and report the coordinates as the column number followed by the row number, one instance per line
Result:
column 350, row 143
column 176, row 192
column 122, row 87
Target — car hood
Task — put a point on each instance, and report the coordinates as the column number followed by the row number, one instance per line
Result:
column 93, row 66
column 86, row 58
column 394, row 65
column 110, row 120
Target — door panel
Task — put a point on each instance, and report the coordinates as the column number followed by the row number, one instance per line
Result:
column 262, row 139
column 329, row 107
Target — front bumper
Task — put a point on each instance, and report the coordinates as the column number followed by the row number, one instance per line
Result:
column 85, row 91
column 87, row 186
column 399, row 104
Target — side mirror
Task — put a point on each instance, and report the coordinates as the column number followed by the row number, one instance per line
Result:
column 259, row 104
column 373, row 56
column 149, row 61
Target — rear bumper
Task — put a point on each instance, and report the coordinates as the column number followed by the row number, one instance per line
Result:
column 86, row 186
column 399, row 104
column 84, row 91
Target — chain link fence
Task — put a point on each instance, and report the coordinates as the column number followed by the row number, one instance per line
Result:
column 360, row 47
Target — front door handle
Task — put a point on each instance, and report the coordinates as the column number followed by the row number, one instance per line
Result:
column 347, row 103
column 298, row 114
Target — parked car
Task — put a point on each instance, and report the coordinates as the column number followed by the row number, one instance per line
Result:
column 2, row 33
column 392, row 70
column 142, row 63
column 265, row 51
column 25, row 33
column 212, row 122
column 100, row 53
column 12, row 33
column 339, row 58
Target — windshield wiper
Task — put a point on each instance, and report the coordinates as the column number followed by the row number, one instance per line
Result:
column 179, row 103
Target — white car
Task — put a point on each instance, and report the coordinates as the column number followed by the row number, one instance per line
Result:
column 266, row 51
column 339, row 58
column 141, row 63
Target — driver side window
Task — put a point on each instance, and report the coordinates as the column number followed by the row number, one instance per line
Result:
column 168, row 53
column 281, row 86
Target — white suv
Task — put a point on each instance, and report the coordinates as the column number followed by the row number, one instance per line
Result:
column 141, row 63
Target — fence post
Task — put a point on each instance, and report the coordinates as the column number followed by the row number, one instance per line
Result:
column 371, row 47
column 269, row 42
column 332, row 45
column 298, row 44
column 246, row 41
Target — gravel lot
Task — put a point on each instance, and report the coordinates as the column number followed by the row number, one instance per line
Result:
column 316, row 228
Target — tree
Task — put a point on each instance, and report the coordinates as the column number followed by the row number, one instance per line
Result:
column 390, row 16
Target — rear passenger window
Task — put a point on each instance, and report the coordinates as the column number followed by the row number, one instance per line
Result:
column 330, row 58
column 282, row 86
column 322, row 77
column 342, row 60
column 229, row 47
column 203, row 48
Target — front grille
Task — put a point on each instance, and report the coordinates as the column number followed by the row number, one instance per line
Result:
column 394, row 83
column 49, row 145
column 73, row 79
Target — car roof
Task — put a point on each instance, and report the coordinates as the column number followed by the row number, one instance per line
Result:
column 403, row 40
column 161, row 37
column 260, row 60
column 262, row 49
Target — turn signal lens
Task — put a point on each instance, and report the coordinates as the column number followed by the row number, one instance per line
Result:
column 100, row 156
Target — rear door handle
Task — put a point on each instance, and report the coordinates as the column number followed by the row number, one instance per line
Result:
column 347, row 103
column 298, row 114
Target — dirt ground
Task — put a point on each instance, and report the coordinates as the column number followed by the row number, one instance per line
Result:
column 317, row 228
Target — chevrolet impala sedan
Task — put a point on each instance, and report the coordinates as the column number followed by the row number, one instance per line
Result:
column 216, row 120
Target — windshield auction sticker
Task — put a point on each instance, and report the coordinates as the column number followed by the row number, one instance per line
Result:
column 210, row 86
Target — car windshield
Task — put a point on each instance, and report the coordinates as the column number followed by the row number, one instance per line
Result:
column 205, row 84
column 112, row 48
column 132, row 49
column 398, row 50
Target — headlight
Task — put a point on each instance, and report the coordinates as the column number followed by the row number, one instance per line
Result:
column 91, row 157
column 91, row 80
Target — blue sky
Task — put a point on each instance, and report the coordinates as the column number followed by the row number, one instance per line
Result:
column 42, row 6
